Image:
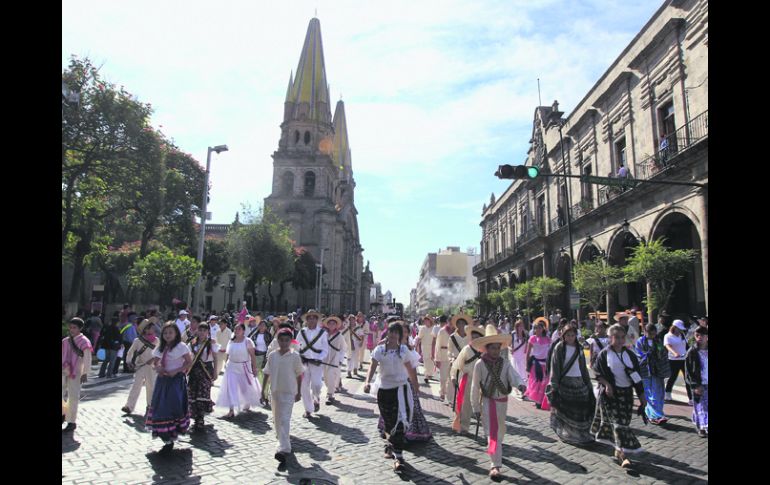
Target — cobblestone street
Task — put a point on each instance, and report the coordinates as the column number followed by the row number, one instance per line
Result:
column 342, row 445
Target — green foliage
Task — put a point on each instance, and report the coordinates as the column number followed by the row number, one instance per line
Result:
column 261, row 251
column 527, row 295
column 495, row 299
column 303, row 276
column 594, row 279
column 546, row 288
column 661, row 267
column 509, row 299
column 164, row 272
column 215, row 260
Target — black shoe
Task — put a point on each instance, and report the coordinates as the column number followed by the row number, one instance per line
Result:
column 63, row 417
column 329, row 401
column 167, row 447
column 70, row 427
column 280, row 457
column 126, row 410
column 316, row 406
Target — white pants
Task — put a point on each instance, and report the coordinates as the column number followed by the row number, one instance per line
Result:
column 427, row 361
column 355, row 359
column 144, row 376
column 502, row 409
column 282, row 403
column 331, row 379
column 219, row 362
column 71, row 388
column 444, row 380
column 312, row 379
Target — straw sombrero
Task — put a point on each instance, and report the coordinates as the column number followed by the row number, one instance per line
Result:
column 468, row 319
column 490, row 337
column 619, row 315
column 428, row 317
column 336, row 319
column 311, row 312
column 542, row 320
column 142, row 326
column 473, row 327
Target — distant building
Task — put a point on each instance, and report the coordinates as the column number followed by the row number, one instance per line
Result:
column 446, row 280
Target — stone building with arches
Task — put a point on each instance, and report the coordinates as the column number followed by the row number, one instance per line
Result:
column 647, row 113
column 313, row 186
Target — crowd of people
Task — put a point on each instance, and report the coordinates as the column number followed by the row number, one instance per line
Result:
column 478, row 363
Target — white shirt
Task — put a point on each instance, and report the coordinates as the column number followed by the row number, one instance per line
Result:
column 618, row 368
column 182, row 325
column 239, row 351
column 679, row 344
column 260, row 344
column 573, row 371
column 321, row 344
column 223, row 337
column 206, row 356
column 174, row 357
column 283, row 371
column 392, row 367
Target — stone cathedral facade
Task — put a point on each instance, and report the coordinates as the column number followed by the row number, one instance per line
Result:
column 313, row 186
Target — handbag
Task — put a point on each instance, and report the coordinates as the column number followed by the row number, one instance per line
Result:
column 101, row 354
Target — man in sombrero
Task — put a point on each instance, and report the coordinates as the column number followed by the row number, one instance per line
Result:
column 493, row 380
column 313, row 349
column 337, row 348
column 461, row 374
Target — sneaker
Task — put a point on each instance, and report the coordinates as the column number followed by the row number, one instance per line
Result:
column 668, row 397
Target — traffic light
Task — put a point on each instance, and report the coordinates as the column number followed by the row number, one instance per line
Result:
column 517, row 172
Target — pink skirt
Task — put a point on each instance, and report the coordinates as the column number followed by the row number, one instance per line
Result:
column 535, row 388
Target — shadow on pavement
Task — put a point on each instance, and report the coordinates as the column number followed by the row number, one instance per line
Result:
column 68, row 443
column 174, row 465
column 348, row 434
column 652, row 470
column 412, row 474
column 364, row 412
column 531, row 476
column 305, row 446
column 677, row 427
column 254, row 421
column 208, row 440
column 135, row 421
column 297, row 474
column 653, row 459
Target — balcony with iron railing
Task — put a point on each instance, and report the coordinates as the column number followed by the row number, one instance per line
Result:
column 673, row 145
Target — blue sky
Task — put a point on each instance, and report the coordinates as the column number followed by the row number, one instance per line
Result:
column 437, row 94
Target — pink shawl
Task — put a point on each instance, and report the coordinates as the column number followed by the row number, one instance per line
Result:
column 69, row 359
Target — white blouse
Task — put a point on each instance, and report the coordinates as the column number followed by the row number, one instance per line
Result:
column 206, row 356
column 573, row 371
column 238, row 351
column 174, row 357
column 393, row 372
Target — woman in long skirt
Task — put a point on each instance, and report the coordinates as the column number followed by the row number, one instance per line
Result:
column 570, row 394
column 697, row 374
column 202, row 375
column 239, row 385
column 537, row 351
column 653, row 368
column 617, row 370
column 394, row 394
column 169, row 413
column 519, row 349
column 418, row 429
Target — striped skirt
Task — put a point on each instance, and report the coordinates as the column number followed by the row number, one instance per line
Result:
column 571, row 420
column 700, row 410
column 612, row 420
column 169, row 413
column 199, row 389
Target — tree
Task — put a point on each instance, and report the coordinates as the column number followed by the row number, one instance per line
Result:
column 547, row 288
column 99, row 133
column 495, row 299
column 164, row 272
column 303, row 275
column 594, row 280
column 509, row 299
column 660, row 267
column 261, row 251
column 526, row 294
column 215, row 260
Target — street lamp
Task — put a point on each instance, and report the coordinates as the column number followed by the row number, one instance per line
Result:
column 320, row 268
column 219, row 149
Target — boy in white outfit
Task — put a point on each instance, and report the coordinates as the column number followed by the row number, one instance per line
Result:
column 139, row 358
column 284, row 369
column 425, row 343
column 337, row 349
column 76, row 352
column 493, row 380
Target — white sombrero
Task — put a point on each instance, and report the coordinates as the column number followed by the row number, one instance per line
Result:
column 491, row 336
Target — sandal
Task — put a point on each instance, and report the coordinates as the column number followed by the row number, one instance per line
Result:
column 398, row 464
column 494, row 473
column 626, row 463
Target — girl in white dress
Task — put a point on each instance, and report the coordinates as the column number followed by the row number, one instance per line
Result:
column 519, row 350
column 240, row 388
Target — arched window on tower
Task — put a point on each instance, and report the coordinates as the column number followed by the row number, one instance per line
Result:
column 288, row 183
column 307, row 138
column 309, row 184
column 296, row 137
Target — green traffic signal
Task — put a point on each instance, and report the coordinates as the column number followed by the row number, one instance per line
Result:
column 516, row 172
column 533, row 172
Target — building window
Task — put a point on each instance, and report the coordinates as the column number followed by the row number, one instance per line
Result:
column 667, row 121
column 620, row 153
column 541, row 211
column 296, row 137
column 307, row 138
column 288, row 183
column 586, row 188
column 309, row 184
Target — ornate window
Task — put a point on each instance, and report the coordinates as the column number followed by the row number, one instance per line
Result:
column 287, row 186
column 307, row 138
column 309, row 184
